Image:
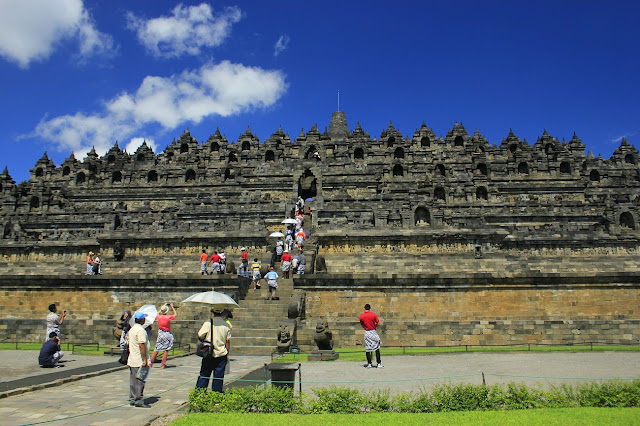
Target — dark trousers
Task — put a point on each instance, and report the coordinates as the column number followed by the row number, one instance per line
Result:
column 377, row 357
column 215, row 365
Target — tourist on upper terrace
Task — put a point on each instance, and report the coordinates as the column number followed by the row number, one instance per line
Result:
column 302, row 262
column 370, row 321
column 285, row 264
column 50, row 352
column 138, row 359
column 165, row 338
column 218, row 332
column 271, row 278
column 97, row 265
column 299, row 204
column 243, row 269
column 90, row 263
column 54, row 321
column 204, row 257
column 255, row 270
column 222, row 261
column 215, row 262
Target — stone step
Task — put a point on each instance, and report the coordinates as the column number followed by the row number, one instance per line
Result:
column 252, row 349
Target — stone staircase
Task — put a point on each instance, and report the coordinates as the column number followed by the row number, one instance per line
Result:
column 256, row 321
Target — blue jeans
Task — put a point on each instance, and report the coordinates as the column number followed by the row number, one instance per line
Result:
column 243, row 270
column 215, row 365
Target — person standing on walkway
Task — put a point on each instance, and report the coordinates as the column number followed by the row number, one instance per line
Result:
column 50, row 353
column 271, row 278
column 370, row 321
column 54, row 321
column 138, row 359
column 89, row 263
column 218, row 332
column 203, row 262
column 165, row 338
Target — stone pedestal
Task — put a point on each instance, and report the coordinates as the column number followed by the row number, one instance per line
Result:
column 323, row 355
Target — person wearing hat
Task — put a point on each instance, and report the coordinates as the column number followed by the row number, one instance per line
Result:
column 285, row 264
column 165, row 337
column 243, row 270
column 218, row 333
column 138, row 358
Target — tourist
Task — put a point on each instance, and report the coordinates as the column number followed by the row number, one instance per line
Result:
column 125, row 324
column 243, row 270
column 165, row 338
column 203, row 262
column 54, row 321
column 279, row 249
column 285, row 264
column 50, row 353
column 300, row 237
column 271, row 278
column 255, row 269
column 217, row 332
column 215, row 263
column 294, row 263
column 90, row 263
column 288, row 239
column 222, row 261
column 97, row 265
column 370, row 322
column 302, row 262
column 138, row 360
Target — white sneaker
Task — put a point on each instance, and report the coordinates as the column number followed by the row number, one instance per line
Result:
column 380, row 366
column 368, row 366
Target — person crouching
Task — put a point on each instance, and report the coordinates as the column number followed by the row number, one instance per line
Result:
column 50, row 353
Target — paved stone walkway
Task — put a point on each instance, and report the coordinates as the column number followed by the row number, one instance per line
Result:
column 105, row 396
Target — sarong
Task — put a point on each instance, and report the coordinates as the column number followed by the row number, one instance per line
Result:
column 215, row 267
column 371, row 341
column 286, row 266
column 49, row 330
column 89, row 269
column 203, row 266
column 256, row 276
column 301, row 269
column 164, row 342
column 273, row 283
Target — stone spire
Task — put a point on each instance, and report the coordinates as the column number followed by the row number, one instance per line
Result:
column 338, row 128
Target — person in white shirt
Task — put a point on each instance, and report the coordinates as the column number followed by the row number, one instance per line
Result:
column 218, row 333
column 138, row 358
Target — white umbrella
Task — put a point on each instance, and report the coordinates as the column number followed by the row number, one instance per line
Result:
column 276, row 234
column 150, row 310
column 217, row 300
column 289, row 221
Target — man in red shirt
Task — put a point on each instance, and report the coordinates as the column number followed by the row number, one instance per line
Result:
column 243, row 269
column 369, row 321
column 215, row 262
column 285, row 264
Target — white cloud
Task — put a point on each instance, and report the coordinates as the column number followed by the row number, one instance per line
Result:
column 281, row 44
column 135, row 143
column 32, row 30
column 186, row 31
column 222, row 89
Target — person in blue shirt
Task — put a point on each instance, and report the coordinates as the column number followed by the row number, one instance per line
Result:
column 272, row 281
column 50, row 353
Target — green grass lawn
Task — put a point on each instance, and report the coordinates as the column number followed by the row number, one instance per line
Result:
column 546, row 417
column 357, row 354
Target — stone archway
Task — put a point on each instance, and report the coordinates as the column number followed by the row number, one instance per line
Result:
column 422, row 217
column 307, row 185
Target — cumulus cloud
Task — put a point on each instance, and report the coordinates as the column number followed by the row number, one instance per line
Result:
column 186, row 31
column 32, row 30
column 222, row 89
column 135, row 143
column 281, row 44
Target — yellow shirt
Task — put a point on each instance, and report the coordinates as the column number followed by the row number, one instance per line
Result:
column 221, row 335
column 137, row 335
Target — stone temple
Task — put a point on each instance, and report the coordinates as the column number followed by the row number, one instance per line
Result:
column 453, row 240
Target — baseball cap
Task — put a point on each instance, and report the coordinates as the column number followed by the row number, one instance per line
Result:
column 140, row 315
column 243, row 249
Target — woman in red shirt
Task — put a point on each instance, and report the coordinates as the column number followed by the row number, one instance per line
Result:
column 165, row 338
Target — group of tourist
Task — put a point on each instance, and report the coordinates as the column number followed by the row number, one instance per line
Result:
column 218, row 261
column 94, row 264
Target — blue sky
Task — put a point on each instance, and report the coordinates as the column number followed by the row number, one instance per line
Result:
column 76, row 74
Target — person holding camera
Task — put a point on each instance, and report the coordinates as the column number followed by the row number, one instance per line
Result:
column 165, row 337
column 50, row 353
column 54, row 321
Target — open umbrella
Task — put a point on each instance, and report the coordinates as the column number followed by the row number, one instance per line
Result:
column 276, row 234
column 150, row 310
column 289, row 221
column 217, row 300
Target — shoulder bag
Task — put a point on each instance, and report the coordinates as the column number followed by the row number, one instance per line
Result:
column 205, row 349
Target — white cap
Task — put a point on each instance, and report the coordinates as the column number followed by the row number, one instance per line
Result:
column 243, row 249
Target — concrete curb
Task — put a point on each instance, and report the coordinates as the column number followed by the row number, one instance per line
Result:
column 73, row 378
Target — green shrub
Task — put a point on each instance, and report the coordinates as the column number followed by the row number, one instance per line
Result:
column 442, row 398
